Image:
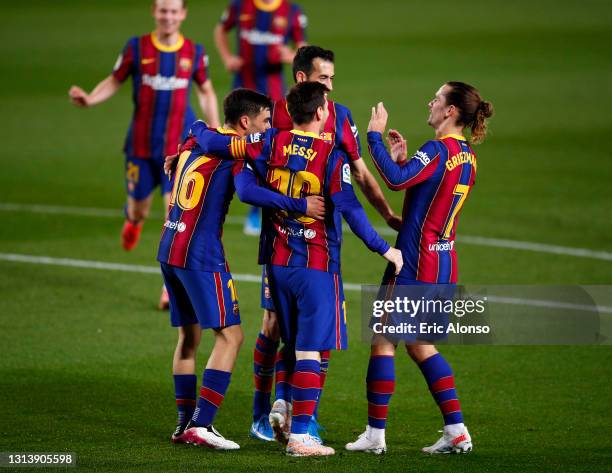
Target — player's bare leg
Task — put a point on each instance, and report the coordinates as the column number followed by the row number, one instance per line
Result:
column 264, row 357
column 380, row 383
column 439, row 378
column 216, row 378
column 136, row 211
column 185, row 379
column 306, row 383
column 164, row 300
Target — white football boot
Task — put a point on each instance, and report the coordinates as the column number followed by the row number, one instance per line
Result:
column 303, row 445
column 371, row 441
column 208, row 437
column 450, row 442
column 280, row 420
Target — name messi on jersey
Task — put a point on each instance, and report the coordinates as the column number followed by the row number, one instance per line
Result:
column 459, row 159
column 297, row 150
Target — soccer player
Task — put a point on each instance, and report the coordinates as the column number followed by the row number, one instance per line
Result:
column 302, row 255
column 311, row 64
column 437, row 180
column 163, row 65
column 264, row 30
column 201, row 289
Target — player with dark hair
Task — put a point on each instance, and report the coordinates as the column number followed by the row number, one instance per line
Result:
column 201, row 289
column 163, row 66
column 311, row 64
column 437, row 180
column 302, row 255
column 264, row 30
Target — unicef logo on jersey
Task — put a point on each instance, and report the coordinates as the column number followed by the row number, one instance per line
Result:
column 178, row 226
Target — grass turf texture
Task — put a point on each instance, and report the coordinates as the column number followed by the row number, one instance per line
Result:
column 85, row 363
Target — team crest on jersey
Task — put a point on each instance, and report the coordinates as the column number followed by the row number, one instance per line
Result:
column 327, row 136
column 280, row 22
column 185, row 64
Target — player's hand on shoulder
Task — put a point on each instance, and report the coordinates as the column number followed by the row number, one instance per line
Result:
column 397, row 146
column 315, row 207
column 378, row 120
column 233, row 63
column 394, row 256
column 78, row 96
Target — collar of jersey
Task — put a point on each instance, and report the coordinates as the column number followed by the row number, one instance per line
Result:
column 167, row 49
column 451, row 135
column 260, row 5
column 305, row 133
column 227, row 131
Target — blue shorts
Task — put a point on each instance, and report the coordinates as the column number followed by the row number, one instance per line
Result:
column 204, row 297
column 310, row 307
column 144, row 175
column 266, row 297
column 429, row 322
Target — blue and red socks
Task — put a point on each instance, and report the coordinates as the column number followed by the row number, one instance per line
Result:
column 380, row 382
column 185, row 386
column 306, row 387
column 323, row 376
column 212, row 392
column 285, row 364
column 264, row 356
column 439, row 377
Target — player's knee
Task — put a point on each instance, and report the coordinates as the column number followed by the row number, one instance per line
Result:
column 420, row 353
column 233, row 336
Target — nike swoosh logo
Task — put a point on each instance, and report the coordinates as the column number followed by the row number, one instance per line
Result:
column 245, row 17
column 146, row 61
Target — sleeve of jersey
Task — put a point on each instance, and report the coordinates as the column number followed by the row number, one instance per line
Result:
column 350, row 138
column 346, row 202
column 298, row 23
column 229, row 18
column 123, row 66
column 200, row 73
column 229, row 147
column 417, row 169
column 250, row 192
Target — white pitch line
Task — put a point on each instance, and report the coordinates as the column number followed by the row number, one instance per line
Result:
column 352, row 287
column 234, row 220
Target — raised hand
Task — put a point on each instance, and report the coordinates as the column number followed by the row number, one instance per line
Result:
column 378, row 120
column 397, row 146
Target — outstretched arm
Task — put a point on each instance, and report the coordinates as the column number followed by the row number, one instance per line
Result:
column 101, row 92
column 398, row 176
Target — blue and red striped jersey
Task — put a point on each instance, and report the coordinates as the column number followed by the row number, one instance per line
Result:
column 437, row 180
column 202, row 191
column 339, row 127
column 161, row 85
column 261, row 30
column 298, row 164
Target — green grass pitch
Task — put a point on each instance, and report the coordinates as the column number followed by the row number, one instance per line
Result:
column 85, row 359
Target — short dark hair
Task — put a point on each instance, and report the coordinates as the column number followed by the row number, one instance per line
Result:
column 306, row 55
column 303, row 101
column 241, row 102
